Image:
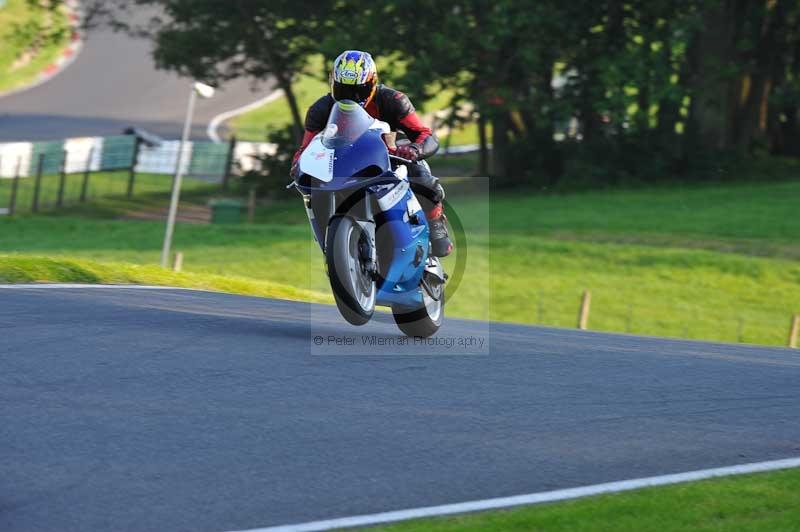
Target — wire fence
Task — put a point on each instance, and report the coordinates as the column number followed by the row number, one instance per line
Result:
column 772, row 323
column 44, row 175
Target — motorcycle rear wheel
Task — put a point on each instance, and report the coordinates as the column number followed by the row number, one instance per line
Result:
column 423, row 321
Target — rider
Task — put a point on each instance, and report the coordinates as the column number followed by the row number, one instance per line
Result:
column 354, row 77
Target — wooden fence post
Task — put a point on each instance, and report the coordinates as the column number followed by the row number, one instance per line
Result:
column 132, row 170
column 740, row 337
column 794, row 331
column 37, row 185
column 62, row 179
column 12, row 202
column 229, row 162
column 177, row 263
column 86, row 172
column 251, row 205
column 583, row 316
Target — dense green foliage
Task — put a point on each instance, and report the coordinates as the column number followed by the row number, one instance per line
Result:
column 32, row 33
column 632, row 88
column 593, row 91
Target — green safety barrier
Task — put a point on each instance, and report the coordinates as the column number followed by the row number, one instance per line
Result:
column 117, row 152
column 53, row 156
column 208, row 159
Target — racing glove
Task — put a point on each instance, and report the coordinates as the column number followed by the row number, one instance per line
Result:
column 408, row 151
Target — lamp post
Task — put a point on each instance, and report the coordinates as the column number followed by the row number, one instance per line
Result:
column 204, row 91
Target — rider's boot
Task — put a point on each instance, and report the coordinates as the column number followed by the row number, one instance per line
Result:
column 441, row 246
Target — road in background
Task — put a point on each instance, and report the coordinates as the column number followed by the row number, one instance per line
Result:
column 178, row 410
column 113, row 84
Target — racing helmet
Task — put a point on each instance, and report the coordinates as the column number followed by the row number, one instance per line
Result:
column 354, row 77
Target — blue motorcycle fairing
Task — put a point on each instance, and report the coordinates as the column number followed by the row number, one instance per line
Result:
column 409, row 255
column 368, row 152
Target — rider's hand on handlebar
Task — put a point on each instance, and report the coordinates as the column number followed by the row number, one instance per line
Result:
column 408, row 151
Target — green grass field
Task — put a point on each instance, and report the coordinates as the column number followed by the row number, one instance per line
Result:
column 713, row 262
column 756, row 503
column 22, row 23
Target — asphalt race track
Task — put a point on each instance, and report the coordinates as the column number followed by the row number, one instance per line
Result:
column 113, row 84
column 140, row 410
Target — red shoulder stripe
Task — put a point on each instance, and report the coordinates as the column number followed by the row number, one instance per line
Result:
column 413, row 123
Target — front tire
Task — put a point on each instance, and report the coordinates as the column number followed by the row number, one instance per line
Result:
column 352, row 285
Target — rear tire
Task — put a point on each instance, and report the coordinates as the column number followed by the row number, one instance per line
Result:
column 424, row 321
column 353, row 287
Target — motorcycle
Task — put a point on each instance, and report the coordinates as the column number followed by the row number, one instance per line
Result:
column 369, row 224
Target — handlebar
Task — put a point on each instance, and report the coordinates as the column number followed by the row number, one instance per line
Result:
column 396, row 158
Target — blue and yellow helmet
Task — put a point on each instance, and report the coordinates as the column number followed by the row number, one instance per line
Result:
column 354, row 77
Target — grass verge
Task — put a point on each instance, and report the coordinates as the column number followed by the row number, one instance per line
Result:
column 38, row 269
column 32, row 35
column 756, row 503
column 711, row 263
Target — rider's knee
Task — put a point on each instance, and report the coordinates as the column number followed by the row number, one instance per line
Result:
column 424, row 183
column 432, row 193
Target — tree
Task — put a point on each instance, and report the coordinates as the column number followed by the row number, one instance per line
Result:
column 740, row 57
column 481, row 52
column 216, row 41
column 783, row 121
column 653, row 85
column 600, row 90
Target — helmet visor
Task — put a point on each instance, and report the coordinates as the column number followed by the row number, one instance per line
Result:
column 357, row 93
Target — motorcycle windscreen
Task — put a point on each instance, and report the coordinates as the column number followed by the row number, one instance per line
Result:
column 346, row 123
column 356, row 138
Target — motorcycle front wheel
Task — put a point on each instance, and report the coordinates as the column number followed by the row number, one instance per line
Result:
column 352, row 284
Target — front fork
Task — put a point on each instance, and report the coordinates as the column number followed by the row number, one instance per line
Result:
column 369, row 256
column 367, row 253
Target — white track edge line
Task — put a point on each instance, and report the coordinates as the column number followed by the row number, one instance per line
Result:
column 531, row 498
column 213, row 126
